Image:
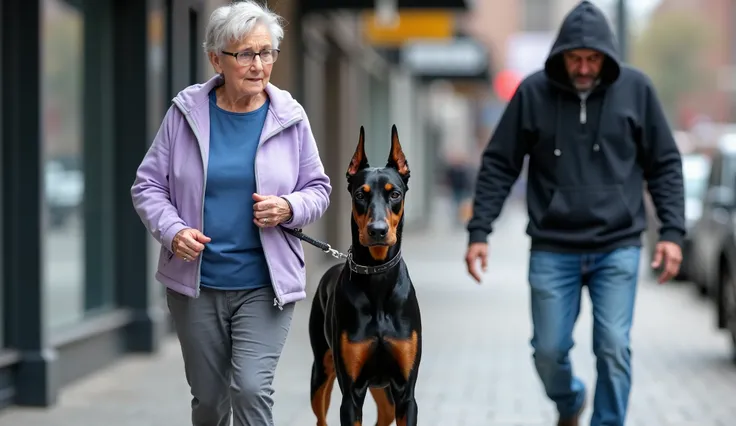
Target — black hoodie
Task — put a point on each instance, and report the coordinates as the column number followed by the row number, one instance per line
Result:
column 588, row 158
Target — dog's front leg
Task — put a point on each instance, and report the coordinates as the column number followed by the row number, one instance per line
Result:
column 351, row 409
column 408, row 354
column 406, row 404
column 348, row 365
column 407, row 411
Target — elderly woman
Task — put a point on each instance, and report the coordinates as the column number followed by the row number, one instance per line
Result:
column 233, row 158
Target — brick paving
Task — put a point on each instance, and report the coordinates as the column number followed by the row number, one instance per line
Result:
column 477, row 368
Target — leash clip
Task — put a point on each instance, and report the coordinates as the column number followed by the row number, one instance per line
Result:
column 336, row 254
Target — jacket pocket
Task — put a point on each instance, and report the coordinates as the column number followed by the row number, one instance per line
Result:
column 588, row 207
column 295, row 247
column 165, row 256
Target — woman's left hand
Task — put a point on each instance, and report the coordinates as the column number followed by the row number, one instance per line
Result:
column 270, row 210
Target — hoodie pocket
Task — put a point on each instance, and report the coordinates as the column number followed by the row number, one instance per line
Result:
column 295, row 247
column 588, row 207
column 165, row 256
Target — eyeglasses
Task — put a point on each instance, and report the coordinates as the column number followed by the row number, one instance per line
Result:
column 245, row 58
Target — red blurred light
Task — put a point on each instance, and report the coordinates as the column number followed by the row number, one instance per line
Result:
column 505, row 84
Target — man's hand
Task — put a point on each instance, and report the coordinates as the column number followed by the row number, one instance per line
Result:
column 270, row 210
column 668, row 255
column 476, row 251
column 188, row 243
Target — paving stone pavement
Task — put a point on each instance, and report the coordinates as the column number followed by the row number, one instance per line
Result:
column 476, row 369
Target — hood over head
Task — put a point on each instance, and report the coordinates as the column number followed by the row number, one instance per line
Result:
column 585, row 27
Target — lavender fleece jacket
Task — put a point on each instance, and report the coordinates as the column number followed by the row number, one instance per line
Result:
column 168, row 192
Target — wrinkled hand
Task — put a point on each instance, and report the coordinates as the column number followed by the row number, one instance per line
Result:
column 668, row 255
column 270, row 210
column 189, row 243
column 476, row 252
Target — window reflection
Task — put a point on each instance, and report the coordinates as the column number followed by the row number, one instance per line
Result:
column 2, row 287
column 157, row 106
column 62, row 79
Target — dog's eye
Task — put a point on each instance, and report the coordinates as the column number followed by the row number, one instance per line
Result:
column 395, row 195
column 359, row 195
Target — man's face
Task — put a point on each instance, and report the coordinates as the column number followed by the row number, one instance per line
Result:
column 583, row 66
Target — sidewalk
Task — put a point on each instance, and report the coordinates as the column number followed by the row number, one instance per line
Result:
column 476, row 369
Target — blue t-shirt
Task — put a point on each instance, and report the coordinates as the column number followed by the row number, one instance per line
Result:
column 233, row 259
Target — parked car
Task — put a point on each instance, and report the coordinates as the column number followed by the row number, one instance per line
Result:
column 695, row 168
column 714, row 237
column 714, row 227
column 726, row 297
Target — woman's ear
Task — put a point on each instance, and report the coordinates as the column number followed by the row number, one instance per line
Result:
column 215, row 61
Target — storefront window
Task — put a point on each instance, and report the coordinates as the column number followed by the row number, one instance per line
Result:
column 158, row 103
column 63, row 172
column 2, row 274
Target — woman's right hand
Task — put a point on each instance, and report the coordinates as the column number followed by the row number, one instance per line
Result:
column 188, row 243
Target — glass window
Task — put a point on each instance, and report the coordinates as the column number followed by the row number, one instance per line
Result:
column 63, row 173
column 2, row 287
column 158, row 103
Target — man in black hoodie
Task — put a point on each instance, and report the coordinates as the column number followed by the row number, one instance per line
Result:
column 594, row 132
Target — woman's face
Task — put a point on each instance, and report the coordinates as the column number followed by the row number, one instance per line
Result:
column 250, row 79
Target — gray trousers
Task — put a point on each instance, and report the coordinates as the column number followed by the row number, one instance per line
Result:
column 231, row 342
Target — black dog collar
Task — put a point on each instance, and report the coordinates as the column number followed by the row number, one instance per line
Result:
column 370, row 270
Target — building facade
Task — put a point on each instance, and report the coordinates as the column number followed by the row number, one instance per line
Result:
column 84, row 86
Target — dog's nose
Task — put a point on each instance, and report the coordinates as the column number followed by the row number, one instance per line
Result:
column 378, row 229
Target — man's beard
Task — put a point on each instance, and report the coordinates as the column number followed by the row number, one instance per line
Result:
column 583, row 81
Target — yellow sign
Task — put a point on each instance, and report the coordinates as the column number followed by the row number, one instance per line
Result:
column 409, row 24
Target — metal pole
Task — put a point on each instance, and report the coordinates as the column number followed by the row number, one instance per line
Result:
column 622, row 30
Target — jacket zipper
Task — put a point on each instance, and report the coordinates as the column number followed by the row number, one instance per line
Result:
column 204, row 187
column 278, row 300
column 583, row 112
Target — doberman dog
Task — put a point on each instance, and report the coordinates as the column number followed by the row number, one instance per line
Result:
column 365, row 326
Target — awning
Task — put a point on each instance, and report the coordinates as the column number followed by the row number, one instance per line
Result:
column 309, row 6
column 461, row 58
column 409, row 24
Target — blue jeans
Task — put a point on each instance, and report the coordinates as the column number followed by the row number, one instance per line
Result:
column 556, row 281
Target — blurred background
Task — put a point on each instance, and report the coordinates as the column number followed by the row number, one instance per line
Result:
column 84, row 332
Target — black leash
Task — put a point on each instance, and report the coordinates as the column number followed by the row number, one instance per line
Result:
column 354, row 267
column 317, row 243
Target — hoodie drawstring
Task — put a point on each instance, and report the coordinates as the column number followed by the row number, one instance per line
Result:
column 601, row 120
column 583, row 120
column 558, row 125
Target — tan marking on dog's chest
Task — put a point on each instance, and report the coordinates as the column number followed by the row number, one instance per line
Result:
column 355, row 354
column 404, row 352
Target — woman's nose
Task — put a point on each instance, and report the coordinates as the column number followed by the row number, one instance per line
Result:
column 257, row 64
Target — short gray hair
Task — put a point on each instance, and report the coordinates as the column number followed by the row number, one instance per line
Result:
column 235, row 21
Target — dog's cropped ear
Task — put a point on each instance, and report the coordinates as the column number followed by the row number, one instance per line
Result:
column 396, row 158
column 359, row 161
